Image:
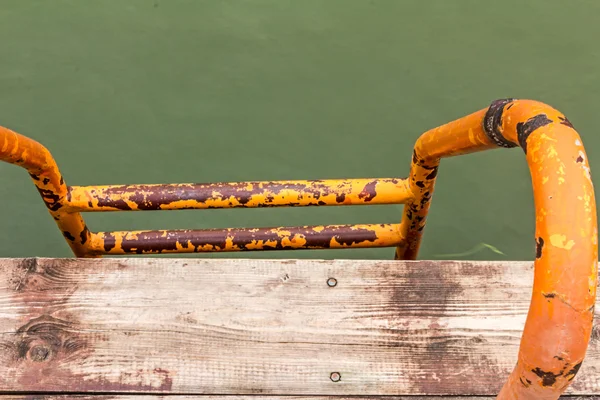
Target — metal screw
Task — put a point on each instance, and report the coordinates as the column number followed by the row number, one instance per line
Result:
column 335, row 377
column 39, row 353
column 331, row 282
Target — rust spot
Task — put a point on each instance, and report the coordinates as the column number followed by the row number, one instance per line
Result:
column 248, row 239
column 492, row 122
column 548, row 378
column 231, row 195
column 432, row 174
column 539, row 245
column 50, row 198
column 566, row 122
column 84, row 235
column 242, row 239
column 571, row 374
column 109, row 242
column 579, row 159
column 368, row 193
column 524, row 129
column 68, row 235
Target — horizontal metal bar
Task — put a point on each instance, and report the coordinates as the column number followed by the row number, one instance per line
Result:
column 242, row 194
column 244, row 239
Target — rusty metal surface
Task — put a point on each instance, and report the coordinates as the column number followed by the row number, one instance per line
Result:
column 212, row 240
column 36, row 159
column 559, row 322
column 241, row 194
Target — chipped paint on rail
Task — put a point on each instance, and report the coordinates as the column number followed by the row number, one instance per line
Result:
column 566, row 247
column 240, row 194
column 247, row 239
column 565, row 243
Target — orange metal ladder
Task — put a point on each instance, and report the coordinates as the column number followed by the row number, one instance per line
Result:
column 559, row 322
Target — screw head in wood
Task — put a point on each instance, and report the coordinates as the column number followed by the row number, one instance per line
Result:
column 331, row 282
column 335, row 377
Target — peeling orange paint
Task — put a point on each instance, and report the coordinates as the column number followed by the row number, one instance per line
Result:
column 565, row 282
column 566, row 276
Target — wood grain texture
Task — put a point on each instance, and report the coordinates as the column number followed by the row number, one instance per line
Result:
column 265, row 327
column 256, row 397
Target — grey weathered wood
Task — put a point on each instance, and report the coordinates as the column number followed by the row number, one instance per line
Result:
column 265, row 327
column 254, row 397
column 259, row 397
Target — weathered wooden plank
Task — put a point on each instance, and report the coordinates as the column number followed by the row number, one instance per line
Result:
column 256, row 397
column 232, row 397
column 265, row 327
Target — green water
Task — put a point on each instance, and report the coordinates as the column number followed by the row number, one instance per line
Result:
column 156, row 91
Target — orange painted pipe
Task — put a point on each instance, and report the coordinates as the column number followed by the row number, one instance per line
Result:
column 185, row 196
column 247, row 239
column 559, row 322
column 36, row 159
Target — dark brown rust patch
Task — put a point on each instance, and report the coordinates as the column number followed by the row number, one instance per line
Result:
column 539, row 246
column 571, row 374
column 34, row 177
column 84, row 234
column 368, row 193
column 422, row 163
column 154, row 197
column 549, row 295
column 68, row 236
column 432, row 174
column 51, row 199
column 525, row 382
column 243, row 239
column 109, row 242
column 579, row 159
column 548, row 378
column 492, row 123
column 566, row 122
column 524, row 129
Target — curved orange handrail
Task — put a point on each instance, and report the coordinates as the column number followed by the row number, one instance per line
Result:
column 559, row 321
column 37, row 160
